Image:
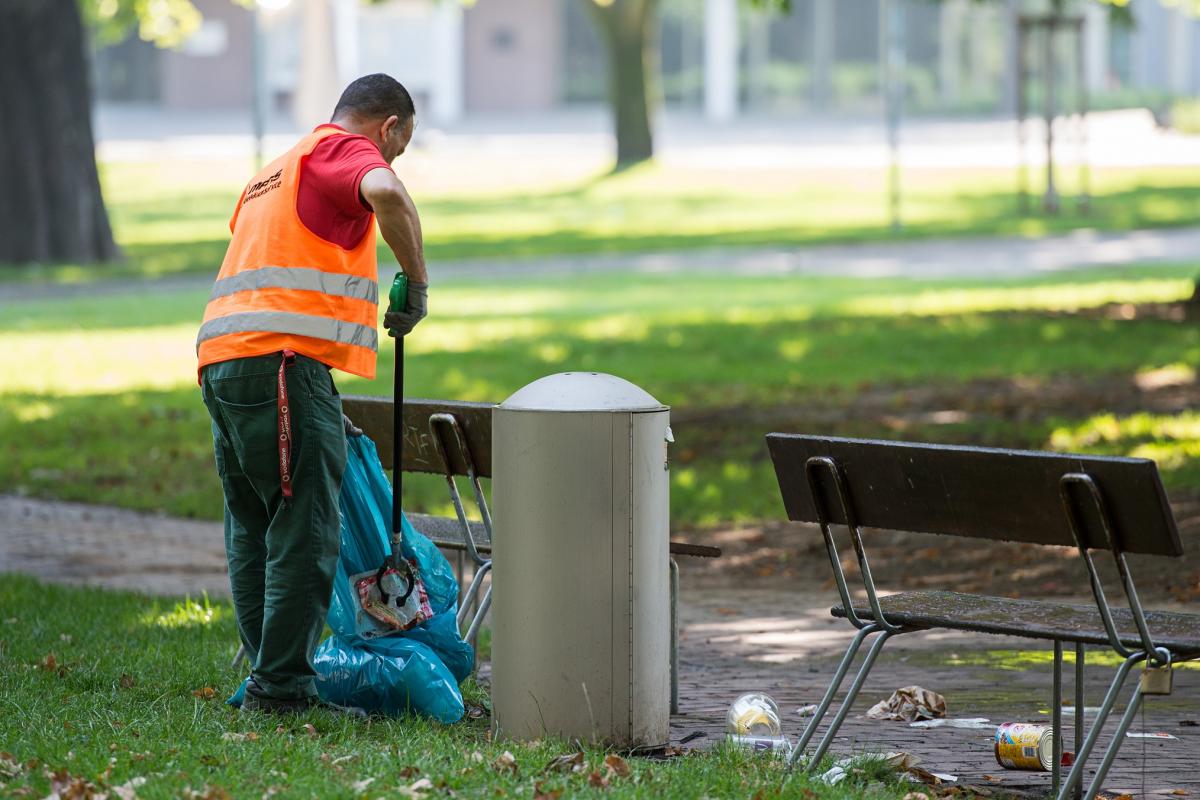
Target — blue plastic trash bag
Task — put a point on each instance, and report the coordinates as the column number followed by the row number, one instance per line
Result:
column 415, row 670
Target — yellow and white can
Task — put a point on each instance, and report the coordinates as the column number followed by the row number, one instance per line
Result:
column 1025, row 746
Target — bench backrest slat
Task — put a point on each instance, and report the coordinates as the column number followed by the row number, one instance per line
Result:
column 374, row 416
column 980, row 493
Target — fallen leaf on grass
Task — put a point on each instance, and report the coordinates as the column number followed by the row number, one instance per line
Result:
column 344, row 759
column 209, row 761
column 506, row 761
column 50, row 663
column 9, row 766
column 540, row 792
column 408, row 772
column 311, row 730
column 598, row 780
column 567, row 762
column 923, row 775
column 361, row 786
column 417, row 788
column 232, row 736
column 477, row 757
column 128, row 789
column 916, row 796
column 65, row 786
column 615, row 765
column 126, row 681
column 205, row 693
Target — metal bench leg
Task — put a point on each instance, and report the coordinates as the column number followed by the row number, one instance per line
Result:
column 674, row 637
column 855, row 687
column 1056, row 720
column 1079, row 706
column 473, row 631
column 839, row 675
column 468, row 599
column 1075, row 776
column 1135, row 702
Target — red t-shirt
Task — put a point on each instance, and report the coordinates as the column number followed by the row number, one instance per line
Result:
column 328, row 200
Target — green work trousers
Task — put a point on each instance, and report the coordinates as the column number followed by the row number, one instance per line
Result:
column 282, row 554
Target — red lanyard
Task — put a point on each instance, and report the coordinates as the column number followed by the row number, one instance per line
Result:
column 285, row 428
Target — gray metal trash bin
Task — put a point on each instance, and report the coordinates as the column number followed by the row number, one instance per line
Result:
column 580, row 515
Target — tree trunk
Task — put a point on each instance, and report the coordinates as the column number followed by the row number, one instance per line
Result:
column 51, row 208
column 1191, row 306
column 627, row 28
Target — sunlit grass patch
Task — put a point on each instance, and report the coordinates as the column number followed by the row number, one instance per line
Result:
column 189, row 613
column 174, row 218
column 1173, row 440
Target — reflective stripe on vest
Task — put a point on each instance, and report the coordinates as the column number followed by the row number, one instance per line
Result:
column 331, row 330
column 302, row 278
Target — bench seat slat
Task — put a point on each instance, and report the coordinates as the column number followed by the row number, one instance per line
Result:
column 446, row 532
column 1033, row 619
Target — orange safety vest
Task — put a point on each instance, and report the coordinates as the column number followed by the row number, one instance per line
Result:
column 282, row 287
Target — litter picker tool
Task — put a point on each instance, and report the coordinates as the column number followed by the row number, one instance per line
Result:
column 393, row 598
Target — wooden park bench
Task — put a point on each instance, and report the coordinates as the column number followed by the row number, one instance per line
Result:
column 454, row 439
column 1091, row 503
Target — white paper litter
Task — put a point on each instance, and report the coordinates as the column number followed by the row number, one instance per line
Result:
column 807, row 711
column 946, row 722
column 1132, row 735
column 838, row 772
column 1069, row 711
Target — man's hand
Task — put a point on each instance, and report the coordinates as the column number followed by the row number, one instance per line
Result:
column 401, row 323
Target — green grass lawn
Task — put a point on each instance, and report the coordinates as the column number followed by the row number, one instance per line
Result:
column 98, row 400
column 173, row 218
column 118, row 690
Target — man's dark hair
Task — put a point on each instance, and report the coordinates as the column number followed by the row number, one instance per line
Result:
column 376, row 96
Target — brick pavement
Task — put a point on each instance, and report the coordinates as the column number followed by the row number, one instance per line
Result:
column 784, row 643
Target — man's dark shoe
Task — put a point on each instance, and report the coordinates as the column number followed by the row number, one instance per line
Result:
column 255, row 699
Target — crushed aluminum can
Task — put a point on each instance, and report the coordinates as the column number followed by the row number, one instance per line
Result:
column 1025, row 746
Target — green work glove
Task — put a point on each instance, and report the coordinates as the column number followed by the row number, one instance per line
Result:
column 401, row 323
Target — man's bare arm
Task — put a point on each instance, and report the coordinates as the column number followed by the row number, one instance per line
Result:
column 398, row 220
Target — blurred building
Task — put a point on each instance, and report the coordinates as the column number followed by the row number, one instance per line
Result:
column 723, row 57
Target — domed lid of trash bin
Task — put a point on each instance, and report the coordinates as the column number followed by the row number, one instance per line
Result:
column 582, row 391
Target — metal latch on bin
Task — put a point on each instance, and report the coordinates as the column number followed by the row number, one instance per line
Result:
column 1156, row 680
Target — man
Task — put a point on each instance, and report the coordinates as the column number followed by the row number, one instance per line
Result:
column 296, row 297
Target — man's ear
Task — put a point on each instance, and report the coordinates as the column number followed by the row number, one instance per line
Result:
column 388, row 125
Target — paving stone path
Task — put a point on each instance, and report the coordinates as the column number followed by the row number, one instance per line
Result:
column 783, row 641
column 766, row 635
